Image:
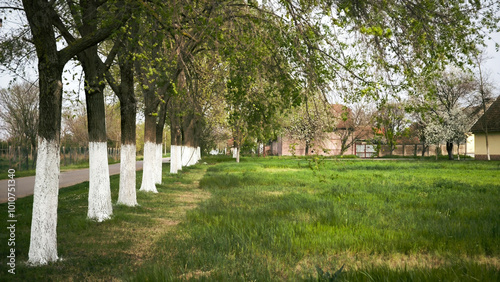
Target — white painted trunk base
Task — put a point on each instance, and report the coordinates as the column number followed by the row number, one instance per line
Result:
column 127, row 194
column 148, row 172
column 43, row 240
column 189, row 156
column 158, row 164
column 175, row 158
column 179, row 157
column 184, row 155
column 100, row 207
column 235, row 153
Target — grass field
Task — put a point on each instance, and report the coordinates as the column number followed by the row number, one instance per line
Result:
column 284, row 219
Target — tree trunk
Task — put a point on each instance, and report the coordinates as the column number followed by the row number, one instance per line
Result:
column 43, row 239
column 128, row 109
column 162, row 115
column 449, row 149
column 51, row 62
column 424, row 148
column 148, row 177
column 487, row 144
column 100, row 207
column 189, row 156
column 238, row 153
column 176, row 143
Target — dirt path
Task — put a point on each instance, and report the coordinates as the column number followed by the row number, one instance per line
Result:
column 25, row 185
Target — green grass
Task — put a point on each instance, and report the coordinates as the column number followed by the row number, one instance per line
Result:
column 268, row 219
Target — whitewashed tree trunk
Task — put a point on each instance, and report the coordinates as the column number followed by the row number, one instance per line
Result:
column 43, row 240
column 175, row 158
column 189, row 156
column 198, row 153
column 158, row 164
column 235, row 152
column 179, row 157
column 100, row 207
column 186, row 155
column 148, row 174
column 127, row 194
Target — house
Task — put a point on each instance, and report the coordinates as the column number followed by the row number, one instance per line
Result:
column 489, row 122
column 345, row 129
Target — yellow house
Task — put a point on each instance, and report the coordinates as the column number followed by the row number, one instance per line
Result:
column 490, row 123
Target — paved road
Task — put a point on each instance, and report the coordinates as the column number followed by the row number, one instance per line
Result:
column 25, row 185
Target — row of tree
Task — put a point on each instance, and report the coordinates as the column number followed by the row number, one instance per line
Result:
column 195, row 60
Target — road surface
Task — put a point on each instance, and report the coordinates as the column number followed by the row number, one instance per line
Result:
column 25, row 185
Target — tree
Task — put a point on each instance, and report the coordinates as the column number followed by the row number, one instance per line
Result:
column 451, row 128
column 123, row 87
column 309, row 123
column 19, row 115
column 449, row 94
column 43, row 22
column 88, row 17
column 391, row 121
column 352, row 125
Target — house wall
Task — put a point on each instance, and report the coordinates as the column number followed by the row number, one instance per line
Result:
column 328, row 147
column 480, row 146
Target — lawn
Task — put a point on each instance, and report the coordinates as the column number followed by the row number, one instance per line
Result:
column 285, row 219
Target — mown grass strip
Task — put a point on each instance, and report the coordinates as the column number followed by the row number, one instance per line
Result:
column 110, row 250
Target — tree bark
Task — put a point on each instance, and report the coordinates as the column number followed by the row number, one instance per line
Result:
column 190, row 154
column 150, row 116
column 99, row 207
column 162, row 116
column 175, row 140
column 43, row 239
column 449, row 149
column 128, row 109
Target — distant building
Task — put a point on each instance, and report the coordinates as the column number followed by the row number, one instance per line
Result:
column 331, row 144
column 489, row 122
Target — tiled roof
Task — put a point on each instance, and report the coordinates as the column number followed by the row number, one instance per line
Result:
column 338, row 111
column 492, row 118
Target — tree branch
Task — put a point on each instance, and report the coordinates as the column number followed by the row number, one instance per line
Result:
column 91, row 39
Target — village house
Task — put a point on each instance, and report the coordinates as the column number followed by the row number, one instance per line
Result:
column 488, row 123
column 331, row 144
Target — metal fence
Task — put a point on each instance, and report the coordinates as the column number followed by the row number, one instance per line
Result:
column 25, row 158
column 408, row 150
